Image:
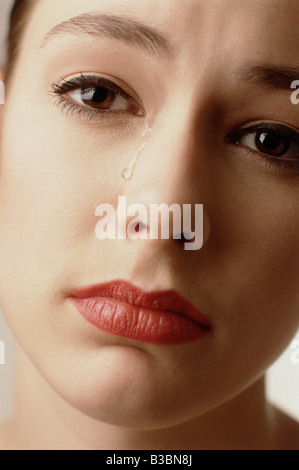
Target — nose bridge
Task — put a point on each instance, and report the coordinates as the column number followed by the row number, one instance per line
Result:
column 166, row 180
column 166, row 170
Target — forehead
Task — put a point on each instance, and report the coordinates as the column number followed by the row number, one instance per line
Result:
column 210, row 41
column 267, row 27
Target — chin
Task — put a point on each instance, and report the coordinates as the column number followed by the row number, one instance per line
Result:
column 123, row 387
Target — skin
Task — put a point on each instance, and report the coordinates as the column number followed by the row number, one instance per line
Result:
column 56, row 170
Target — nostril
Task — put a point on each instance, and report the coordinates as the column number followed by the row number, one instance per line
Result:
column 181, row 238
column 139, row 227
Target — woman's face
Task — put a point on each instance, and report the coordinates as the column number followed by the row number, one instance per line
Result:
column 213, row 91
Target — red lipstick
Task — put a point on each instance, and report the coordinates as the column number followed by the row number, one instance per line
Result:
column 122, row 309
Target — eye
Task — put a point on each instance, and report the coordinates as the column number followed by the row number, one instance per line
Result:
column 268, row 142
column 95, row 94
column 270, row 139
column 101, row 98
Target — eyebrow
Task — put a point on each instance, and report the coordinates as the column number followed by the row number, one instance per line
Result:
column 149, row 39
column 270, row 76
column 121, row 28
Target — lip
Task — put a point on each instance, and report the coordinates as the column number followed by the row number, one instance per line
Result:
column 161, row 317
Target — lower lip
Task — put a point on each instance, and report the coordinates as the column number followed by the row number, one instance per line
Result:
column 138, row 323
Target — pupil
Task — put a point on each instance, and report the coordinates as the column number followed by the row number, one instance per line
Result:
column 270, row 140
column 272, row 143
column 101, row 94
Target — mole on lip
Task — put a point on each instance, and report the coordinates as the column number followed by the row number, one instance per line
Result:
column 129, row 170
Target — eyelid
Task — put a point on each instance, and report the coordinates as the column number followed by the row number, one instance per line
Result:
column 282, row 129
column 86, row 81
column 287, row 163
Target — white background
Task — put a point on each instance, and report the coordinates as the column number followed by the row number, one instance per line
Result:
column 282, row 378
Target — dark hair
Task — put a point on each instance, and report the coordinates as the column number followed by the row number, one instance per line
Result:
column 18, row 19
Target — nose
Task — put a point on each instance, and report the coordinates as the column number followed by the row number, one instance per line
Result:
column 169, row 179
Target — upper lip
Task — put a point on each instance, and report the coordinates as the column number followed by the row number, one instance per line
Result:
column 166, row 300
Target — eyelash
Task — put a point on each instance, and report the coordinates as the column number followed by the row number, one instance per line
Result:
column 288, row 164
column 89, row 81
column 85, row 82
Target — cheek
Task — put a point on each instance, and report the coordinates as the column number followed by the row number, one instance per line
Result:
column 53, row 176
column 257, row 256
column 256, row 224
column 50, row 186
column 52, row 180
